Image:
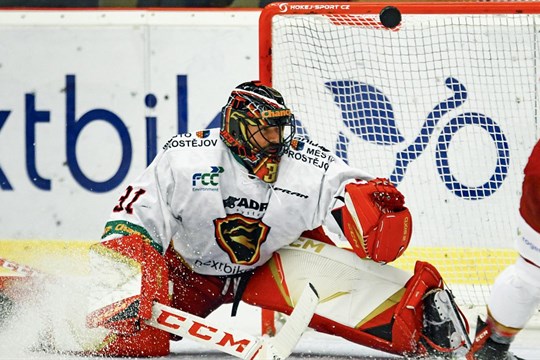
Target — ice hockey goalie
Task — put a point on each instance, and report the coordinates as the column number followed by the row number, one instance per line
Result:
column 243, row 213
column 368, row 303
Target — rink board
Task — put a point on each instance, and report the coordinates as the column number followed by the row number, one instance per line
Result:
column 72, row 256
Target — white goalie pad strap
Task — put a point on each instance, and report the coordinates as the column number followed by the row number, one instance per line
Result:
column 349, row 288
column 528, row 242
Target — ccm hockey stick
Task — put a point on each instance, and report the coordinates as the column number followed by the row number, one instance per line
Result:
column 18, row 268
column 234, row 342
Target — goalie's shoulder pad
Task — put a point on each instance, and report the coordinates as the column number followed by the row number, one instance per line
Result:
column 375, row 220
column 306, row 148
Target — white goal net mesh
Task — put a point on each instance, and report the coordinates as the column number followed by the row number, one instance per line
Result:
column 445, row 105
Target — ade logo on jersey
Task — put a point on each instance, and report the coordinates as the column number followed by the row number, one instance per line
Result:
column 241, row 237
column 231, row 202
column 207, row 181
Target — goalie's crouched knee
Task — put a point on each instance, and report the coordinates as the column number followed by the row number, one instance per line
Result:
column 128, row 275
column 407, row 328
column 397, row 324
column 425, row 314
column 400, row 329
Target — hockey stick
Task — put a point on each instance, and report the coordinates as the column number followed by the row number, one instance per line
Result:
column 234, row 342
column 18, row 268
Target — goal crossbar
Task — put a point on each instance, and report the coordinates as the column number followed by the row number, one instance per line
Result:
column 372, row 8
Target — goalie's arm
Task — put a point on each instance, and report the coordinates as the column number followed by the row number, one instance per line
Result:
column 144, row 206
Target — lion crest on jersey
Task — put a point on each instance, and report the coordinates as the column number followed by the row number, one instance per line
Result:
column 241, row 237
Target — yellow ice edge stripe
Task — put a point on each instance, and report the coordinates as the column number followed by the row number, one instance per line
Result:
column 461, row 265
column 50, row 256
column 457, row 265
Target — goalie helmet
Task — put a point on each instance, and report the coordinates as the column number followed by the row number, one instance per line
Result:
column 251, row 113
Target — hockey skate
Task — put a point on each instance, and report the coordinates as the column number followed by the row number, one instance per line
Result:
column 445, row 332
column 485, row 348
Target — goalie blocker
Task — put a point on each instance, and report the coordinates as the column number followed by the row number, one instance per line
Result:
column 371, row 304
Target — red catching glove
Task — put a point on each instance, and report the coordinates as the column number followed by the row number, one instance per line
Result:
column 375, row 220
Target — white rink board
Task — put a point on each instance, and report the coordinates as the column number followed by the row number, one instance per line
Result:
column 60, row 69
column 115, row 59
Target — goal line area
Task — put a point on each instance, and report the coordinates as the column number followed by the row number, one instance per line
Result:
column 55, row 257
column 71, row 257
column 440, row 98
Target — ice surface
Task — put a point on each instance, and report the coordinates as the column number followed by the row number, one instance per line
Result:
column 56, row 312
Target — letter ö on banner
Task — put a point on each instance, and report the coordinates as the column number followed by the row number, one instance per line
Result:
column 502, row 150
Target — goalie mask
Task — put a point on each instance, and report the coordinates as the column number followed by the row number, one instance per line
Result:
column 257, row 127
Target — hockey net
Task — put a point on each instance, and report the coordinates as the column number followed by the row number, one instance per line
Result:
column 445, row 105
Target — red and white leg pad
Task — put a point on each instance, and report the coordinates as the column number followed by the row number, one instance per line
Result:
column 365, row 302
column 128, row 276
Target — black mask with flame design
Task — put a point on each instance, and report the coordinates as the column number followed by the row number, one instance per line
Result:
column 252, row 109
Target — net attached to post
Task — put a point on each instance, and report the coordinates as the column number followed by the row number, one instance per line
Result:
column 444, row 105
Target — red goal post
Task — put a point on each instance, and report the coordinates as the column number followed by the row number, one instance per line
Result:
column 445, row 105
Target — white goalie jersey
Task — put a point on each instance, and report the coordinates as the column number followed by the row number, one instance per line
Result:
column 221, row 219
